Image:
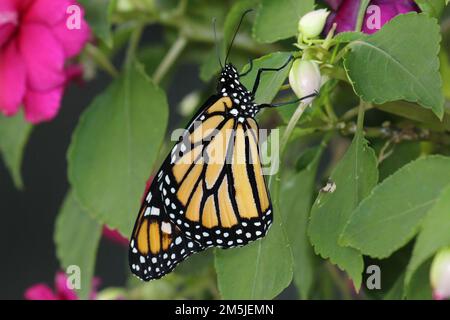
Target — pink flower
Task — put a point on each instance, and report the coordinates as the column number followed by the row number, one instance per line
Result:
column 62, row 292
column 114, row 236
column 35, row 45
column 345, row 13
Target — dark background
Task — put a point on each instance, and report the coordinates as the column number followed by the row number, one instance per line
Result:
column 27, row 217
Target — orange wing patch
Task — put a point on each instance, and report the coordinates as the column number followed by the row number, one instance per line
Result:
column 244, row 194
column 142, row 238
column 220, row 105
column 256, row 163
column 217, row 152
column 209, row 217
column 181, row 167
column 193, row 209
column 227, row 214
column 206, row 128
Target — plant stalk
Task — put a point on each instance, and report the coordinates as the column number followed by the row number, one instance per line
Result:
column 170, row 58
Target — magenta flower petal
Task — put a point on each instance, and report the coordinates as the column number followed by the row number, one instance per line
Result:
column 74, row 73
column 95, row 285
column 36, row 69
column 12, row 79
column 50, row 12
column 346, row 15
column 40, row 292
column 389, row 9
column 74, row 40
column 334, row 4
column 114, row 236
column 44, row 57
column 62, row 291
column 9, row 19
column 42, row 106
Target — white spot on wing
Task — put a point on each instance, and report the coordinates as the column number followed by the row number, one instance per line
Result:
column 166, row 228
column 154, row 211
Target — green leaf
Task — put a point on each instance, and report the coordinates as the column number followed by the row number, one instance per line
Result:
column 271, row 81
column 260, row 270
column 276, row 20
column 76, row 237
column 390, row 217
column 401, row 72
column 349, row 36
column 419, row 287
column 296, row 196
column 14, row 134
column 417, row 113
column 355, row 176
column 434, row 234
column 114, row 147
column 433, row 8
column 98, row 15
column 396, row 292
column 402, row 154
column 210, row 66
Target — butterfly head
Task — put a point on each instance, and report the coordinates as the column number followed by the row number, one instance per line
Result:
column 230, row 86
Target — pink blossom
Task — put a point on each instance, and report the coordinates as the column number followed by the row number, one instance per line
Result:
column 114, row 236
column 345, row 13
column 35, row 47
column 42, row 291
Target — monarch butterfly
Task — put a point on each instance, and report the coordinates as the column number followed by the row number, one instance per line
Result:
column 196, row 202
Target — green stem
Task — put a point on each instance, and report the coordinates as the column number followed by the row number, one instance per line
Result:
column 291, row 125
column 285, row 139
column 170, row 58
column 361, row 110
column 361, row 13
column 354, row 112
column 329, row 86
column 102, row 60
column 133, row 44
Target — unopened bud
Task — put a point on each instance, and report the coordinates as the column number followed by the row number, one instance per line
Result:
column 312, row 23
column 305, row 78
column 440, row 275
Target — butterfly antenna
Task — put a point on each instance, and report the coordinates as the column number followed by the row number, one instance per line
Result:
column 217, row 43
column 235, row 33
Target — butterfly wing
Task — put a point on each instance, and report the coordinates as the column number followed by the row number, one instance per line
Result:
column 212, row 184
column 157, row 245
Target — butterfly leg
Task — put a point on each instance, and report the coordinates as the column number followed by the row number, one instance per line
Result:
column 261, row 70
column 250, row 61
column 275, row 105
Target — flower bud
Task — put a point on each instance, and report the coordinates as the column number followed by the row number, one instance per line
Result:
column 440, row 275
column 305, row 78
column 189, row 103
column 312, row 23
